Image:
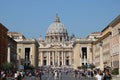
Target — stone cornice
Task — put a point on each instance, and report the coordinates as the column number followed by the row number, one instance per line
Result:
column 103, row 37
column 28, row 41
column 53, row 49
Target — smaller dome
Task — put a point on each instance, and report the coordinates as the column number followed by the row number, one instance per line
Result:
column 40, row 39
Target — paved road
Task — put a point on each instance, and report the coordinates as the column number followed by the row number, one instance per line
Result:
column 64, row 76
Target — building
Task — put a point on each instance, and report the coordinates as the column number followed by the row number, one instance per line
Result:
column 16, row 36
column 57, row 49
column 12, row 52
column 101, row 49
column 3, row 44
column 106, row 49
column 115, row 43
column 27, row 49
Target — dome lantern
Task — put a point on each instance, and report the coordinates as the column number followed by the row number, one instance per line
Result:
column 57, row 18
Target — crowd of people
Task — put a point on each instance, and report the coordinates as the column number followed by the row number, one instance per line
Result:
column 57, row 73
column 96, row 73
column 105, row 75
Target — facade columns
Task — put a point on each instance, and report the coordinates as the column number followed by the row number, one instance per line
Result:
column 81, row 57
column 58, row 57
column 47, row 58
column 53, row 55
column 41, row 55
column 101, row 56
column 90, row 55
column 54, row 58
column 8, row 55
column 58, row 39
column 62, row 59
column 62, row 38
column 70, row 58
column 54, row 38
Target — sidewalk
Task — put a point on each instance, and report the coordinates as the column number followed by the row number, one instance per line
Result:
column 26, row 78
column 115, row 77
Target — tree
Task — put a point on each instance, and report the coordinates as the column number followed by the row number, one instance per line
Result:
column 7, row 66
column 29, row 67
column 92, row 66
column 82, row 67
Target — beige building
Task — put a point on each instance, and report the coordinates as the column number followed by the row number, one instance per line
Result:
column 115, row 42
column 107, row 48
column 60, row 50
column 27, row 49
column 101, row 49
column 56, row 49
column 82, row 52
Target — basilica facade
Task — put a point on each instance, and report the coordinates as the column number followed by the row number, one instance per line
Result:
column 56, row 49
column 60, row 50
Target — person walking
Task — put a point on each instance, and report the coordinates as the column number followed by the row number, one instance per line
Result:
column 55, row 75
column 4, row 76
column 98, row 76
column 40, row 75
column 19, row 77
column 107, row 75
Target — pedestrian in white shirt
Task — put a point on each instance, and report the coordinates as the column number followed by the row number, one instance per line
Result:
column 56, row 75
column 15, row 76
column 98, row 76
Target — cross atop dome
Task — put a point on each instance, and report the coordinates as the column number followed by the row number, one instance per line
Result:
column 57, row 18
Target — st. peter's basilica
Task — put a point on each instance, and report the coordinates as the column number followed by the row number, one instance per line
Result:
column 60, row 50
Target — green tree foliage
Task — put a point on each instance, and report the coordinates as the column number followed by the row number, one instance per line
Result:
column 115, row 71
column 7, row 66
column 92, row 66
column 82, row 67
column 30, row 67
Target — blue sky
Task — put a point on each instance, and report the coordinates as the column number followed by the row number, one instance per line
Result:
column 81, row 17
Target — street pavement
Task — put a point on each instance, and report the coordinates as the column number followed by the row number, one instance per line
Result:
column 64, row 76
column 117, row 77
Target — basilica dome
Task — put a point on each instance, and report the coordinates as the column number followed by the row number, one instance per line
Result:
column 56, row 27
